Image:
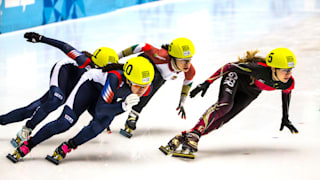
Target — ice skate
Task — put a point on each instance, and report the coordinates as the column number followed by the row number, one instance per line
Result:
column 19, row 153
column 22, row 135
column 129, row 126
column 189, row 147
column 59, row 154
column 173, row 144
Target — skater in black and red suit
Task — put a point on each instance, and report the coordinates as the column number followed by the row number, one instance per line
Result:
column 241, row 83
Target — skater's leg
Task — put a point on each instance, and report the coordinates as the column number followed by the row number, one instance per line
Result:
column 84, row 95
column 102, row 120
column 20, row 114
column 55, row 99
column 63, row 123
column 241, row 101
column 66, row 120
column 62, row 81
column 89, row 132
column 228, row 90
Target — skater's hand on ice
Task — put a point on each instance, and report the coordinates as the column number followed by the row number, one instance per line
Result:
column 182, row 112
column 201, row 87
column 180, row 107
column 33, row 37
column 287, row 123
column 131, row 100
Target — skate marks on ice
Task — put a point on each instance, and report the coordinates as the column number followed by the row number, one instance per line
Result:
column 247, row 150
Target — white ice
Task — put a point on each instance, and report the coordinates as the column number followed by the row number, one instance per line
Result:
column 249, row 147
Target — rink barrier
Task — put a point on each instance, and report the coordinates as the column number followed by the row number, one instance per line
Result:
column 22, row 14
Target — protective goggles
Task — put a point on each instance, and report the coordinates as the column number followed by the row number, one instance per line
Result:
column 139, row 86
column 285, row 70
column 184, row 59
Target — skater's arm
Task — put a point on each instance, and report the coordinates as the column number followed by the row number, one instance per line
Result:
column 112, row 84
column 104, row 109
column 203, row 87
column 81, row 59
column 183, row 96
column 187, row 83
column 143, row 47
column 241, row 68
column 286, row 96
column 219, row 73
column 108, row 94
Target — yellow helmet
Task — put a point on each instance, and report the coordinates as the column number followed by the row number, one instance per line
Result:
column 139, row 70
column 103, row 56
column 181, row 48
column 281, row 58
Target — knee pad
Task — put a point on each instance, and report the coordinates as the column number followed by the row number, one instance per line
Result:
column 67, row 119
column 56, row 99
column 68, row 115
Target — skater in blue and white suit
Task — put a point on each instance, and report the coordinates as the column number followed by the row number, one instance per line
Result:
column 122, row 90
column 64, row 76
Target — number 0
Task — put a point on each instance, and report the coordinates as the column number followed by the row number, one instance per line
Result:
column 129, row 69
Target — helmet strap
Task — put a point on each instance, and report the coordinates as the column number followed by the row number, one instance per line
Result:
column 174, row 64
column 275, row 74
column 129, row 82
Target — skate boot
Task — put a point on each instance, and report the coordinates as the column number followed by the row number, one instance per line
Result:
column 189, row 146
column 173, row 144
column 129, row 126
column 59, row 154
column 19, row 153
column 22, row 135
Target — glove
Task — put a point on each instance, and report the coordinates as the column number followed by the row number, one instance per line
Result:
column 287, row 123
column 131, row 100
column 201, row 87
column 33, row 37
column 181, row 107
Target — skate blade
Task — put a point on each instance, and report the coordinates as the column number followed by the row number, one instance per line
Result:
column 14, row 143
column 53, row 160
column 12, row 158
column 164, row 150
column 125, row 133
column 182, row 155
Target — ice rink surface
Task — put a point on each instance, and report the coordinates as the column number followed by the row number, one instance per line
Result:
column 249, row 147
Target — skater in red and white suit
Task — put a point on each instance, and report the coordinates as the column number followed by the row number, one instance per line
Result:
column 241, row 83
column 171, row 62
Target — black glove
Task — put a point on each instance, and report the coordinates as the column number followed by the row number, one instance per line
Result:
column 287, row 123
column 181, row 107
column 182, row 111
column 201, row 87
column 33, row 37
